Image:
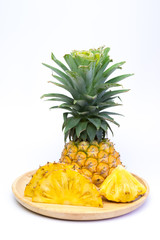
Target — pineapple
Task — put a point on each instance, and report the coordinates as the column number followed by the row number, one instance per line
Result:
column 87, row 119
column 121, row 186
column 60, row 187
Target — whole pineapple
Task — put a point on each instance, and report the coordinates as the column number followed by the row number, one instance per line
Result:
column 86, row 121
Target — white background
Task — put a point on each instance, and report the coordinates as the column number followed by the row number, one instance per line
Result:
column 31, row 135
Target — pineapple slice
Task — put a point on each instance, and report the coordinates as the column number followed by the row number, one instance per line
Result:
column 35, row 178
column 121, row 186
column 41, row 172
column 67, row 187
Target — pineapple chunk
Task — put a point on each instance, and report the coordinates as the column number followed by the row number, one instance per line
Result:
column 67, row 187
column 121, row 186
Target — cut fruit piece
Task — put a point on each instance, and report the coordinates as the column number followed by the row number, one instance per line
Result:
column 41, row 172
column 121, row 186
column 67, row 187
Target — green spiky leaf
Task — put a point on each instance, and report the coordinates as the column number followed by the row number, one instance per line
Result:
column 96, row 122
column 110, row 70
column 60, row 73
column 91, row 131
column 71, row 123
column 83, row 136
column 119, row 78
column 109, row 94
column 58, row 97
column 107, row 117
column 71, row 63
column 63, row 81
column 99, row 135
column 80, row 128
column 60, row 64
column 67, row 88
column 104, row 125
column 65, row 115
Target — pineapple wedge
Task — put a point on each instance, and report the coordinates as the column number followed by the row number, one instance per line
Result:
column 121, row 186
column 67, row 187
column 41, row 172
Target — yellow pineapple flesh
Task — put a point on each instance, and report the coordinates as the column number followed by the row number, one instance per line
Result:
column 121, row 186
column 67, row 187
column 96, row 160
column 41, row 172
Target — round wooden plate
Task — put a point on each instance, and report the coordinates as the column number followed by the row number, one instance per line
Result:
column 109, row 210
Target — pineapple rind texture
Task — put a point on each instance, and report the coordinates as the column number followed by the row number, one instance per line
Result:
column 95, row 160
column 67, row 187
column 121, row 186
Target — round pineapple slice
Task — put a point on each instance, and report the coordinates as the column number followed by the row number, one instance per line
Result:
column 67, row 187
column 121, row 186
column 41, row 172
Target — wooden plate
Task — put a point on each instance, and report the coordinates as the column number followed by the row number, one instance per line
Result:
column 109, row 210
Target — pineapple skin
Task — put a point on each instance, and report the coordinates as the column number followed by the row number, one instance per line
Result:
column 95, row 160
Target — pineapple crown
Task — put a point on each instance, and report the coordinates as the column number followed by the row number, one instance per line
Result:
column 86, row 80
